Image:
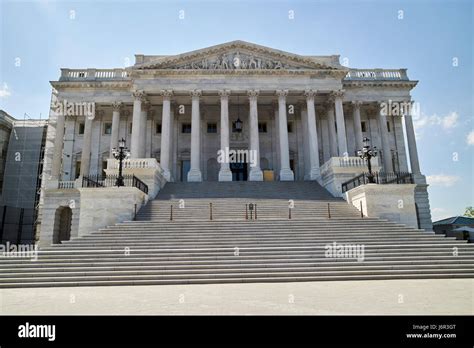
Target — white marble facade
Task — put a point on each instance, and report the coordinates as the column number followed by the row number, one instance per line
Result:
column 181, row 109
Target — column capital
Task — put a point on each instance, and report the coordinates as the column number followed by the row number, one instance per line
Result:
column 117, row 105
column 338, row 94
column 196, row 93
column 356, row 104
column 282, row 93
column 253, row 93
column 310, row 93
column 166, row 93
column 225, row 93
column 139, row 95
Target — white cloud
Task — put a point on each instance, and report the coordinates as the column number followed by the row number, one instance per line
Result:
column 4, row 91
column 446, row 122
column 442, row 180
column 470, row 138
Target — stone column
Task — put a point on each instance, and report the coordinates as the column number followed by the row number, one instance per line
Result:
column 166, row 134
column 341, row 127
column 58, row 148
column 411, row 140
column 224, row 173
column 286, row 174
column 331, row 129
column 143, row 120
column 138, row 96
column 194, row 174
column 387, row 154
column 256, row 173
column 114, row 137
column 357, row 125
column 86, row 146
column 313, row 142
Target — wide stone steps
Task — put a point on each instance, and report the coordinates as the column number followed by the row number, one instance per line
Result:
column 192, row 249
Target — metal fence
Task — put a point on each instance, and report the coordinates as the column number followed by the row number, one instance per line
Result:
column 379, row 178
column 99, row 180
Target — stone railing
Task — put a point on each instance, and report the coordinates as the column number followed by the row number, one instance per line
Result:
column 135, row 163
column 66, row 184
column 377, row 74
column 93, row 74
column 347, row 162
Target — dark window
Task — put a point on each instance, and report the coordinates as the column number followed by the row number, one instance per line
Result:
column 81, row 128
column 362, row 125
column 78, row 169
column 290, row 127
column 262, row 127
column 186, row 128
column 130, row 129
column 107, row 128
column 212, row 127
column 158, row 128
column 388, row 126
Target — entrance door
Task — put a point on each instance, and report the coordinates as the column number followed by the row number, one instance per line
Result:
column 239, row 171
column 185, row 166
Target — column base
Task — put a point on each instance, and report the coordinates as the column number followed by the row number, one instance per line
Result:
column 287, row 174
column 256, row 174
column 315, row 174
column 167, row 174
column 194, row 175
column 225, row 175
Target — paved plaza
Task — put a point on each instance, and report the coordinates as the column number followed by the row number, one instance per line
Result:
column 419, row 297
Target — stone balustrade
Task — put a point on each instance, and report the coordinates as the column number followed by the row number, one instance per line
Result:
column 135, row 163
column 377, row 74
column 348, row 162
column 93, row 74
column 71, row 184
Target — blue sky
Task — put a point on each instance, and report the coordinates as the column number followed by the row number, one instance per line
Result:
column 40, row 37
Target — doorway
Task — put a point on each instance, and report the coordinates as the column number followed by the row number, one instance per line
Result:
column 185, row 167
column 239, row 171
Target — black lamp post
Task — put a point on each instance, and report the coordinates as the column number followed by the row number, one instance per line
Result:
column 367, row 153
column 120, row 154
column 238, row 123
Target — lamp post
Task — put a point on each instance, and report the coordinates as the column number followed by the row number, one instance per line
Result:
column 367, row 153
column 120, row 154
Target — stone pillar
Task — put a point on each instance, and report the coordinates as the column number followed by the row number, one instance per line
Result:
column 286, row 174
column 256, row 173
column 143, row 121
column 312, row 136
column 195, row 170
column 114, row 137
column 412, row 150
column 138, row 96
column 224, row 173
column 357, row 125
column 387, row 154
column 166, row 134
column 86, row 146
column 332, row 129
column 341, row 127
column 58, row 148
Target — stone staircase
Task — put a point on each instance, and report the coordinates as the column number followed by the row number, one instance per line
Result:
column 192, row 249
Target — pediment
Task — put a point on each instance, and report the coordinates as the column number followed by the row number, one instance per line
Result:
column 240, row 55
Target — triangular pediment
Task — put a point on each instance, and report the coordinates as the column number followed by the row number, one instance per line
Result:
column 240, row 55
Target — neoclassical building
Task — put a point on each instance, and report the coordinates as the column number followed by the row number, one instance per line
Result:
column 304, row 117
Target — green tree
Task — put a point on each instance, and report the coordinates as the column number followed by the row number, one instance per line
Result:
column 469, row 212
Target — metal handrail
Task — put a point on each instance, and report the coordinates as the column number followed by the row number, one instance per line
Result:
column 379, row 178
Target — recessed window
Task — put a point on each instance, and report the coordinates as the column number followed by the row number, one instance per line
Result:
column 388, row 126
column 363, row 126
column 107, row 128
column 78, row 169
column 262, row 127
column 186, row 128
column 290, row 127
column 158, row 128
column 212, row 127
column 130, row 129
column 81, row 128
